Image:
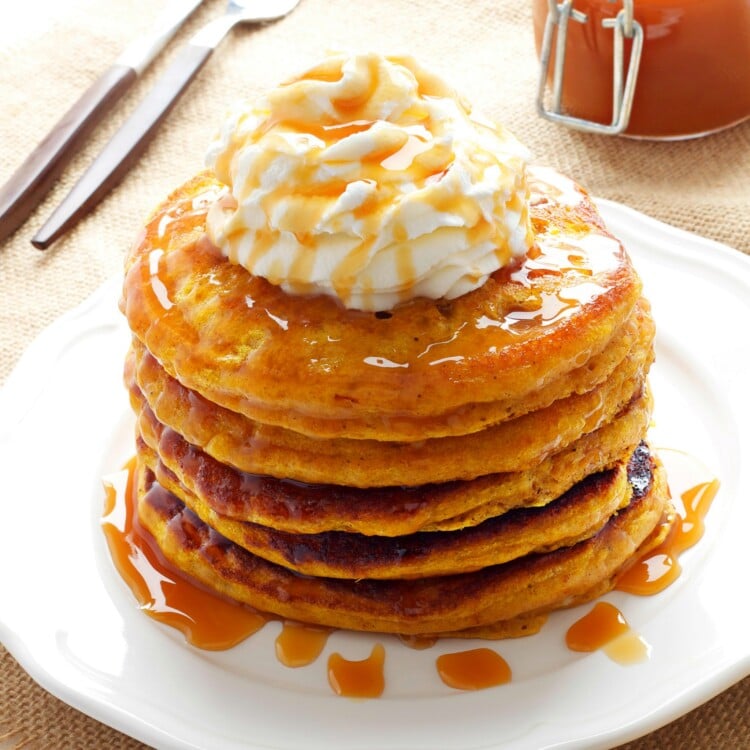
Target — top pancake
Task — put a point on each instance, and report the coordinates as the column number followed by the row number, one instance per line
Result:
column 432, row 367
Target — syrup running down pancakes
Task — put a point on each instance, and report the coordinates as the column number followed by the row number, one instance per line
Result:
column 377, row 396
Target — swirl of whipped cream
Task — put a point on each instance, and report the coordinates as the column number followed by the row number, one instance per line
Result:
column 368, row 179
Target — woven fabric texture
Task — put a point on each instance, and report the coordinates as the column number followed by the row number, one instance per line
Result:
column 484, row 48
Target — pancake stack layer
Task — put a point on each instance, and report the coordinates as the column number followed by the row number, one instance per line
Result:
column 459, row 466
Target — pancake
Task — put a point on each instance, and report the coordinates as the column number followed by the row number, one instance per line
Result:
column 526, row 586
column 317, row 369
column 300, row 508
column 530, row 623
column 577, row 515
column 635, row 334
column 514, row 445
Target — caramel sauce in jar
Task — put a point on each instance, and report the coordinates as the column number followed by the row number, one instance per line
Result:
column 694, row 75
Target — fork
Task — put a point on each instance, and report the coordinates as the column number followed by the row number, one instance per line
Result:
column 130, row 141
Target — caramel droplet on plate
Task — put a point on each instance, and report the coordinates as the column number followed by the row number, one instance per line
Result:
column 358, row 679
column 299, row 645
column 475, row 669
column 605, row 628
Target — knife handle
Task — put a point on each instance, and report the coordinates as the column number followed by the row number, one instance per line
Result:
column 32, row 180
column 127, row 144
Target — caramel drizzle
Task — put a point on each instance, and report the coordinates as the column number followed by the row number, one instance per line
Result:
column 205, row 619
column 299, row 645
column 208, row 621
column 660, row 567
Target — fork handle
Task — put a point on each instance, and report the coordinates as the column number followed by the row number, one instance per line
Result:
column 32, row 180
column 128, row 143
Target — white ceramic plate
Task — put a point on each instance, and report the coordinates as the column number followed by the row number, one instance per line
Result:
column 71, row 622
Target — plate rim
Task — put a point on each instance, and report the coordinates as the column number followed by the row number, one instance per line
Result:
column 42, row 352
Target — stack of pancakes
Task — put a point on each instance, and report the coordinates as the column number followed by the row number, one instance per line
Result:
column 459, row 466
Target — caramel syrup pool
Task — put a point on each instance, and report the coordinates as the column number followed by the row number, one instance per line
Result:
column 209, row 621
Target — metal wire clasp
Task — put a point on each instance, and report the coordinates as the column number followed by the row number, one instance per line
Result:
column 625, row 27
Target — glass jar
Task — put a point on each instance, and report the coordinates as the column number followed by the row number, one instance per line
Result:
column 687, row 62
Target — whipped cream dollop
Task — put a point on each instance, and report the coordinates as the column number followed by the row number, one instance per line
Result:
column 367, row 178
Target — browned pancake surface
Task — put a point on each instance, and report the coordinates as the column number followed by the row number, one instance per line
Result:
column 577, row 515
column 296, row 507
column 426, row 605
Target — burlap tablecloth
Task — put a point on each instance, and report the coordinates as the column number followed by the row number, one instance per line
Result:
column 484, row 47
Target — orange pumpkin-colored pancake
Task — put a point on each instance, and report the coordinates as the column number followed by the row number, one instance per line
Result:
column 515, row 445
column 300, row 508
column 427, row 367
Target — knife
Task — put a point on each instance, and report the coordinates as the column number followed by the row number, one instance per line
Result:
column 33, row 179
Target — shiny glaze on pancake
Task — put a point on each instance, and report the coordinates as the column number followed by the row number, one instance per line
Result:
column 518, row 444
column 304, row 361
